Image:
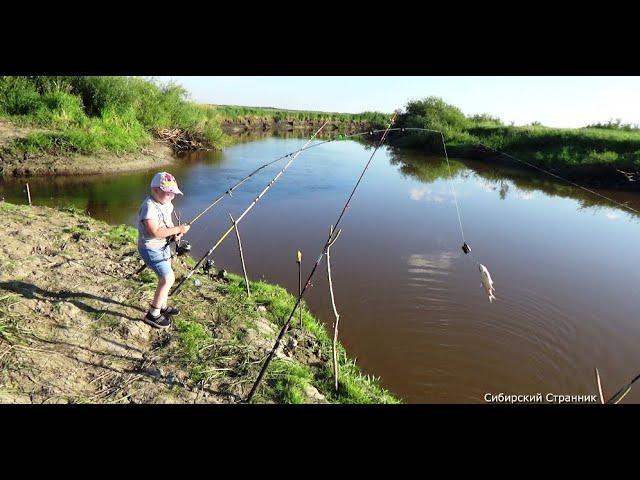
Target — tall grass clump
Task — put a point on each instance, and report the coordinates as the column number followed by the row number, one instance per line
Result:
column 88, row 114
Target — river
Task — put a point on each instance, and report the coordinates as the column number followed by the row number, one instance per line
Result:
column 412, row 310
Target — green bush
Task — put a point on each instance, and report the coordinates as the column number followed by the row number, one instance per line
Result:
column 18, row 96
column 614, row 145
column 434, row 113
column 91, row 114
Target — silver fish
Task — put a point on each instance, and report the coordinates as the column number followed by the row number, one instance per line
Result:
column 487, row 283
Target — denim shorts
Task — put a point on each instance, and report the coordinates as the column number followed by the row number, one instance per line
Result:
column 158, row 260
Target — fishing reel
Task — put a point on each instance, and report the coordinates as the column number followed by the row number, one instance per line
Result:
column 182, row 248
column 208, row 266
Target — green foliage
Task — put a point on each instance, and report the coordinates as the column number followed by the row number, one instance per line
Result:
column 148, row 277
column 286, row 380
column 615, row 125
column 611, row 144
column 122, row 235
column 289, row 380
column 485, row 119
column 18, row 96
column 434, row 113
column 85, row 114
column 72, row 209
column 192, row 339
column 235, row 113
column 91, row 114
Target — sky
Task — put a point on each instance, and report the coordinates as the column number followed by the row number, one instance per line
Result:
column 553, row 101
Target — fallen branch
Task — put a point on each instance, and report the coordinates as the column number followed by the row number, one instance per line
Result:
column 181, row 140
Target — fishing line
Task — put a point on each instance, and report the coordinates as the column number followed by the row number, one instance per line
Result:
column 335, row 229
column 187, row 246
column 246, row 211
column 306, row 147
column 465, row 247
column 485, row 275
column 564, row 179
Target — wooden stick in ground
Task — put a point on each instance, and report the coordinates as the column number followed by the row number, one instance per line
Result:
column 618, row 396
column 284, row 328
column 299, row 262
column 29, row 194
column 599, row 383
column 333, row 304
column 247, row 210
column 244, row 269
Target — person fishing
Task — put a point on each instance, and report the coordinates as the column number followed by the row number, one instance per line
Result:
column 155, row 229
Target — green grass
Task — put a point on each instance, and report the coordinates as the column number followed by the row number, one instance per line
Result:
column 220, row 337
column 206, row 355
column 566, row 147
column 9, row 321
column 91, row 114
column 192, row 339
column 85, row 115
column 81, row 231
column 104, row 321
column 147, row 277
column 612, row 144
column 235, row 112
column 73, row 210
column 8, row 207
column 286, row 381
column 122, row 235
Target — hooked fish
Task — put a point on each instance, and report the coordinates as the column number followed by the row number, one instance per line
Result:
column 487, row 283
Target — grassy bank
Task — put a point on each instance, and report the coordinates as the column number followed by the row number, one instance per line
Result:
column 610, row 144
column 86, row 115
column 234, row 113
column 80, row 115
column 70, row 302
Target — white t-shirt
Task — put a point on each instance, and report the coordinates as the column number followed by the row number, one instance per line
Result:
column 159, row 212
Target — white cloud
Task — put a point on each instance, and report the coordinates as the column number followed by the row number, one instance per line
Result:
column 431, row 262
column 424, row 194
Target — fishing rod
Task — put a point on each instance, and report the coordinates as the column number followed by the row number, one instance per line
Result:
column 306, row 147
column 246, row 211
column 335, row 229
column 621, row 205
column 183, row 246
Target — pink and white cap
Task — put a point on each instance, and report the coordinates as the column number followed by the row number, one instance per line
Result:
column 166, row 182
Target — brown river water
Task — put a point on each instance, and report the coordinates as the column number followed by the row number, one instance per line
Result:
column 412, row 311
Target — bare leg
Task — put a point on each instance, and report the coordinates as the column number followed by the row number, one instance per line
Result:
column 162, row 292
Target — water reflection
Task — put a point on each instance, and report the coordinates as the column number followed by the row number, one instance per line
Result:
column 411, row 305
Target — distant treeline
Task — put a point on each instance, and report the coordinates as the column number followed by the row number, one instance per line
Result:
column 235, row 113
column 88, row 114
column 611, row 143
